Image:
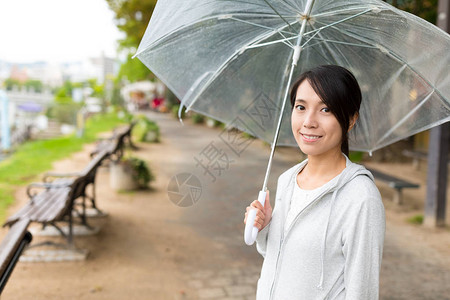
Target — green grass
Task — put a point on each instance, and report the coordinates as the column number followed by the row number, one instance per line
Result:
column 35, row 157
column 417, row 219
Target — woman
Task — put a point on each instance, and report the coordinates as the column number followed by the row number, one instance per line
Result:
column 324, row 239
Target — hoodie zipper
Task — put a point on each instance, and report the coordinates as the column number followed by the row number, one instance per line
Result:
column 283, row 238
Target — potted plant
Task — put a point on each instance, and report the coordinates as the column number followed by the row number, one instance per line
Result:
column 146, row 130
column 130, row 173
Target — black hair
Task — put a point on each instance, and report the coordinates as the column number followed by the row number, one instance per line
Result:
column 338, row 89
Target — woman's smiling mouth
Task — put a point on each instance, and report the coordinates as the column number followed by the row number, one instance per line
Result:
column 310, row 138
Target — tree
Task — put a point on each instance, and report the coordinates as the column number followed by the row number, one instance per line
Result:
column 10, row 83
column 426, row 9
column 132, row 17
column 34, row 84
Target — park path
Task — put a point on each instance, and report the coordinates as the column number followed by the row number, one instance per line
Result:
column 151, row 248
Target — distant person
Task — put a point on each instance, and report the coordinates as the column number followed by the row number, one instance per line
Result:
column 324, row 238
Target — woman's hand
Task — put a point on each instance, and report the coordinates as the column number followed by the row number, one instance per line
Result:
column 263, row 214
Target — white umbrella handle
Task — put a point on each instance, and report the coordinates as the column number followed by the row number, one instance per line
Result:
column 251, row 232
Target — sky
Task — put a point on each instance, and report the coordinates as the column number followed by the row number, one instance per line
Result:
column 56, row 30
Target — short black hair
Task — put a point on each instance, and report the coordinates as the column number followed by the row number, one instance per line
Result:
column 338, row 88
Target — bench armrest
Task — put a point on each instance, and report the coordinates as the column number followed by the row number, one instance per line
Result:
column 44, row 185
column 11, row 248
column 59, row 175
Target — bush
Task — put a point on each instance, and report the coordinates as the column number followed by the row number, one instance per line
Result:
column 213, row 123
column 417, row 219
column 175, row 109
column 198, row 118
column 146, row 130
column 64, row 113
column 139, row 170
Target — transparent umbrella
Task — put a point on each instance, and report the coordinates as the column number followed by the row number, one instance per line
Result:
column 234, row 61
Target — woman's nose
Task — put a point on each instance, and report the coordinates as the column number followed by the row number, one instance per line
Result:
column 310, row 120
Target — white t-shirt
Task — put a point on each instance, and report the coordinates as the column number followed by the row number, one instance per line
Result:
column 301, row 198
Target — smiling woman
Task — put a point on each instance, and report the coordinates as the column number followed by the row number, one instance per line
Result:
column 55, row 30
column 326, row 231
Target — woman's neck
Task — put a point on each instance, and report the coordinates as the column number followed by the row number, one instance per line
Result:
column 321, row 169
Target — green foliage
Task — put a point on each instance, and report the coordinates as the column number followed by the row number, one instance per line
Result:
column 171, row 99
column 98, row 89
column 356, row 156
column 198, row 118
column 132, row 17
column 247, row 135
column 146, row 130
column 64, row 112
column 426, row 9
column 134, row 70
column 175, row 109
column 10, row 83
column 417, row 219
column 214, row 123
column 36, row 85
column 116, row 97
column 140, row 171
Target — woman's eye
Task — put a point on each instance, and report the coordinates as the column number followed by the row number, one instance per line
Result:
column 325, row 109
column 299, row 107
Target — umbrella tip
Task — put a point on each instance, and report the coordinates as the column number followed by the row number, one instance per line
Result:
column 376, row 9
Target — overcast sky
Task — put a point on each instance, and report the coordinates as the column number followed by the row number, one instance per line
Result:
column 56, row 30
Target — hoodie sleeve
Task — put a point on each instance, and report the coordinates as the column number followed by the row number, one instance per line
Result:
column 261, row 240
column 363, row 238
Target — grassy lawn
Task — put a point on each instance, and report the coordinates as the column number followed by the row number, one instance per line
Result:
column 35, row 157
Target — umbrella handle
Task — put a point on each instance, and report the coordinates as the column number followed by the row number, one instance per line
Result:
column 251, row 232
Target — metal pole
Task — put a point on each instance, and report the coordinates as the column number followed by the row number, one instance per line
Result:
column 438, row 151
column 5, row 130
column 295, row 58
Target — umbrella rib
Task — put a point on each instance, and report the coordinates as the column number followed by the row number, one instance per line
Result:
column 337, row 22
column 273, row 8
column 322, row 40
column 406, row 117
column 285, row 41
column 316, row 31
column 259, row 25
column 337, row 12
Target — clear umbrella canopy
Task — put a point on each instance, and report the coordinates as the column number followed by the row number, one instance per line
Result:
column 231, row 60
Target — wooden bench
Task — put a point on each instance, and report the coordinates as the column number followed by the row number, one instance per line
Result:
column 394, row 182
column 11, row 247
column 89, row 173
column 116, row 143
column 57, row 201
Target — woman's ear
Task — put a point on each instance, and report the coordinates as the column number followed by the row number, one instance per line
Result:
column 353, row 121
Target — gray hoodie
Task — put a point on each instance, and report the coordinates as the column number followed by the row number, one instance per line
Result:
column 334, row 246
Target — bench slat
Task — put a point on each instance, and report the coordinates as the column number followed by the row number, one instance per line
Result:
column 391, row 180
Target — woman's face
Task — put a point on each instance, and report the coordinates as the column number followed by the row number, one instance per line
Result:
column 315, row 128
